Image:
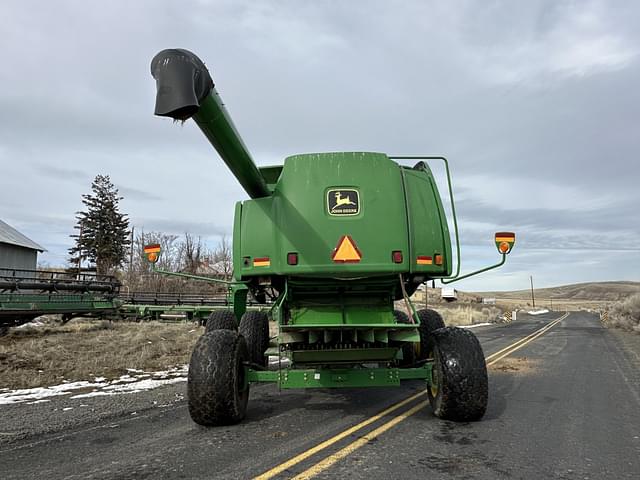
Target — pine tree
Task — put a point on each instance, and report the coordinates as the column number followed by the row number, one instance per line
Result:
column 103, row 232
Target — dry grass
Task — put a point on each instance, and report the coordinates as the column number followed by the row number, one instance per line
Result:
column 469, row 315
column 625, row 314
column 591, row 291
column 83, row 349
column 558, row 305
column 575, row 297
column 459, row 313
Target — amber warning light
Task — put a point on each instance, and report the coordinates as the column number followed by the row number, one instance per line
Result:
column 152, row 252
column 505, row 241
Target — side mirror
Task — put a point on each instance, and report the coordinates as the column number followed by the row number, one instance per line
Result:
column 152, row 252
column 505, row 242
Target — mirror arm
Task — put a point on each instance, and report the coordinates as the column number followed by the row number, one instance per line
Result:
column 482, row 270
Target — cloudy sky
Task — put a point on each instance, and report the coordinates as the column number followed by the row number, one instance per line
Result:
column 536, row 104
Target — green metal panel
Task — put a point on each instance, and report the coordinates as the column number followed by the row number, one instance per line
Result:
column 341, row 315
column 297, row 218
column 335, row 377
column 429, row 234
column 257, row 238
column 20, row 304
column 345, row 355
column 237, row 237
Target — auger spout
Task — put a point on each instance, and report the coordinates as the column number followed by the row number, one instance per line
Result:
column 185, row 90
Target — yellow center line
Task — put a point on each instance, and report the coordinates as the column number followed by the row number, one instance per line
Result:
column 327, row 443
column 352, row 447
column 526, row 339
column 330, row 460
column 519, row 345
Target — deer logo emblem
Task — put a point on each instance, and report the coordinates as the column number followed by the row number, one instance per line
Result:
column 343, row 202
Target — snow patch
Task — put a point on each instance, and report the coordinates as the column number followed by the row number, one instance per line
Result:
column 99, row 387
column 486, row 324
column 142, row 385
column 538, row 312
column 32, row 324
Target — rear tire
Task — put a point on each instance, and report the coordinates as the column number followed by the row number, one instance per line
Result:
column 408, row 348
column 459, row 389
column 254, row 327
column 221, row 320
column 430, row 321
column 216, row 390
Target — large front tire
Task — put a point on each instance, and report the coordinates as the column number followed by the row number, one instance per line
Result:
column 254, row 327
column 217, row 390
column 459, row 387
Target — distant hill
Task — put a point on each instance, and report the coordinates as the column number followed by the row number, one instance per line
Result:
column 610, row 291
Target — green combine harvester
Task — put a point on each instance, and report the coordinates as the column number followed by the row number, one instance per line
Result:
column 333, row 240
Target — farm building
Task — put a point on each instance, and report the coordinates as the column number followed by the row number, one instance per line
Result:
column 16, row 250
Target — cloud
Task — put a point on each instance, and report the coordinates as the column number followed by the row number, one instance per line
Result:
column 137, row 194
column 61, row 173
column 535, row 104
column 543, row 42
column 178, row 227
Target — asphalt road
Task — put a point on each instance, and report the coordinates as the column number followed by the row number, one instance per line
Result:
column 565, row 405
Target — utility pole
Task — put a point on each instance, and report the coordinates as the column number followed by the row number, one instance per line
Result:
column 533, row 298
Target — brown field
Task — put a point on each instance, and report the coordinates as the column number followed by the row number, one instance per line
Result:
column 559, row 305
column 84, row 349
column 582, row 296
column 579, row 292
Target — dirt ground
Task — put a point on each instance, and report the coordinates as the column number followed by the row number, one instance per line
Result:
column 631, row 343
column 515, row 365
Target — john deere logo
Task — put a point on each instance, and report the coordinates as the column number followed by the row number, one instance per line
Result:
column 343, row 202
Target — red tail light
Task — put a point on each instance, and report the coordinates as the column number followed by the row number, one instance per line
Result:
column 292, row 258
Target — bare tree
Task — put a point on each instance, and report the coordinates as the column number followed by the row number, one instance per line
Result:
column 191, row 252
column 142, row 278
column 223, row 259
column 188, row 254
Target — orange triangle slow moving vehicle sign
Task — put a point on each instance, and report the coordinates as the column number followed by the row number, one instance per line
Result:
column 346, row 251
